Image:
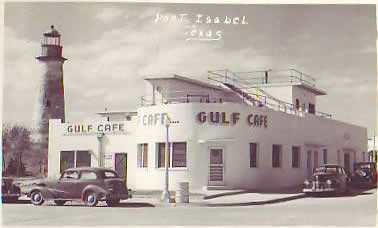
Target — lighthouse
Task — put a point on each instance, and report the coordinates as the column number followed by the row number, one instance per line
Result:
column 50, row 102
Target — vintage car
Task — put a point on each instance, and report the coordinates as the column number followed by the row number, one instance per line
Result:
column 85, row 184
column 9, row 191
column 327, row 178
column 365, row 174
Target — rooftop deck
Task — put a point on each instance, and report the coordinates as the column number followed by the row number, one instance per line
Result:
column 240, row 84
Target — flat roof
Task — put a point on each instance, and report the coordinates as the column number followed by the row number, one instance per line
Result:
column 188, row 80
column 118, row 112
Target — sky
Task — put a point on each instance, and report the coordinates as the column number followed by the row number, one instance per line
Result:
column 111, row 47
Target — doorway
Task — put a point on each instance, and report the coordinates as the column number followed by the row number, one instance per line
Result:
column 216, row 167
column 347, row 162
column 120, row 164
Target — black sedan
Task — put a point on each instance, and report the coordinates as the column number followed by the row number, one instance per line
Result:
column 85, row 184
column 327, row 178
column 10, row 192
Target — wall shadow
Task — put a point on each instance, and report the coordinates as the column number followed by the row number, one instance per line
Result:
column 280, row 200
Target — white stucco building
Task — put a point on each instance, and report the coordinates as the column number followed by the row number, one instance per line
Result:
column 255, row 130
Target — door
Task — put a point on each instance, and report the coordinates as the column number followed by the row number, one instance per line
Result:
column 120, row 164
column 347, row 162
column 216, row 167
column 66, row 185
column 309, row 164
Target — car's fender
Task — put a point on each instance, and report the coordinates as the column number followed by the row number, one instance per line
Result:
column 94, row 188
column 47, row 194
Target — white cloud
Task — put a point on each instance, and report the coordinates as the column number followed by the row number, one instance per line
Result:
column 109, row 14
column 22, row 77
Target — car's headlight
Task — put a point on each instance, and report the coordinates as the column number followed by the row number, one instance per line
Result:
column 306, row 182
column 329, row 182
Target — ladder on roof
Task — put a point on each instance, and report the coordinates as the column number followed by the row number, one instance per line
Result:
column 247, row 89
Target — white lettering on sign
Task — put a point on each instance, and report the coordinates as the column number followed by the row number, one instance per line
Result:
column 111, row 127
column 152, row 119
column 201, row 27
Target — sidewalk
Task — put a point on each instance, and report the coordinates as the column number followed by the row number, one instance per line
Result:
column 219, row 198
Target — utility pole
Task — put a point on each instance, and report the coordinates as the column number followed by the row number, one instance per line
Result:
column 165, row 195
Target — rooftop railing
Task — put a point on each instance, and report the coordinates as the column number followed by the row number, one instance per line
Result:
column 251, row 79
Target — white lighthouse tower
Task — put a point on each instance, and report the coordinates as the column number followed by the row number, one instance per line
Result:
column 50, row 102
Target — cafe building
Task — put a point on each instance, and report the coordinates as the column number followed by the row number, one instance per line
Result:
column 245, row 130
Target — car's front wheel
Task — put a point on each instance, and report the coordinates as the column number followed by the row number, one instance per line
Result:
column 36, row 198
column 90, row 199
column 112, row 202
column 60, row 202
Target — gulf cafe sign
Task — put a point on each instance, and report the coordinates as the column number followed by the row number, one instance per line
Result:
column 94, row 128
column 220, row 118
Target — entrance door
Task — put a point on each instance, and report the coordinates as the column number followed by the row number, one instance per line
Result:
column 309, row 164
column 216, row 167
column 347, row 162
column 120, row 164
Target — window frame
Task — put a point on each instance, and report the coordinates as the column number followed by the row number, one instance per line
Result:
column 68, row 179
column 325, row 156
column 298, row 159
column 143, row 153
column 279, row 156
column 75, row 153
column 255, row 163
column 87, row 171
column 159, row 162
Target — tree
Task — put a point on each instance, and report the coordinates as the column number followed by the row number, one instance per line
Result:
column 16, row 141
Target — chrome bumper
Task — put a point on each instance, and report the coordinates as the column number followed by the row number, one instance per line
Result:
column 307, row 190
column 121, row 196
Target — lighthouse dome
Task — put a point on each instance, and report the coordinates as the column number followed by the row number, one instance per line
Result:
column 52, row 32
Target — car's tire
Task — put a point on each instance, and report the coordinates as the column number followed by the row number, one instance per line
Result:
column 90, row 199
column 36, row 198
column 60, row 202
column 112, row 202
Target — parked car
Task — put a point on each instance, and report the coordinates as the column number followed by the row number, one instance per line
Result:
column 365, row 174
column 86, row 184
column 9, row 191
column 327, row 178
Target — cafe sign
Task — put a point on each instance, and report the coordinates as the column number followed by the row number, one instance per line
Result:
column 223, row 118
column 94, row 128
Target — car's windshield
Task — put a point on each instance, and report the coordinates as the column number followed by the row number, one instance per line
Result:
column 326, row 170
column 110, row 174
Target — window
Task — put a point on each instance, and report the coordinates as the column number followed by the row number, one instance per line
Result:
column 176, row 155
column 311, row 108
column 142, row 156
column 297, row 105
column 338, row 157
column 110, row 174
column 325, row 159
column 161, row 155
column 83, row 158
column 71, row 159
column 179, row 155
column 252, row 155
column 276, row 156
column 70, row 175
column 87, row 175
column 67, row 160
column 295, row 157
